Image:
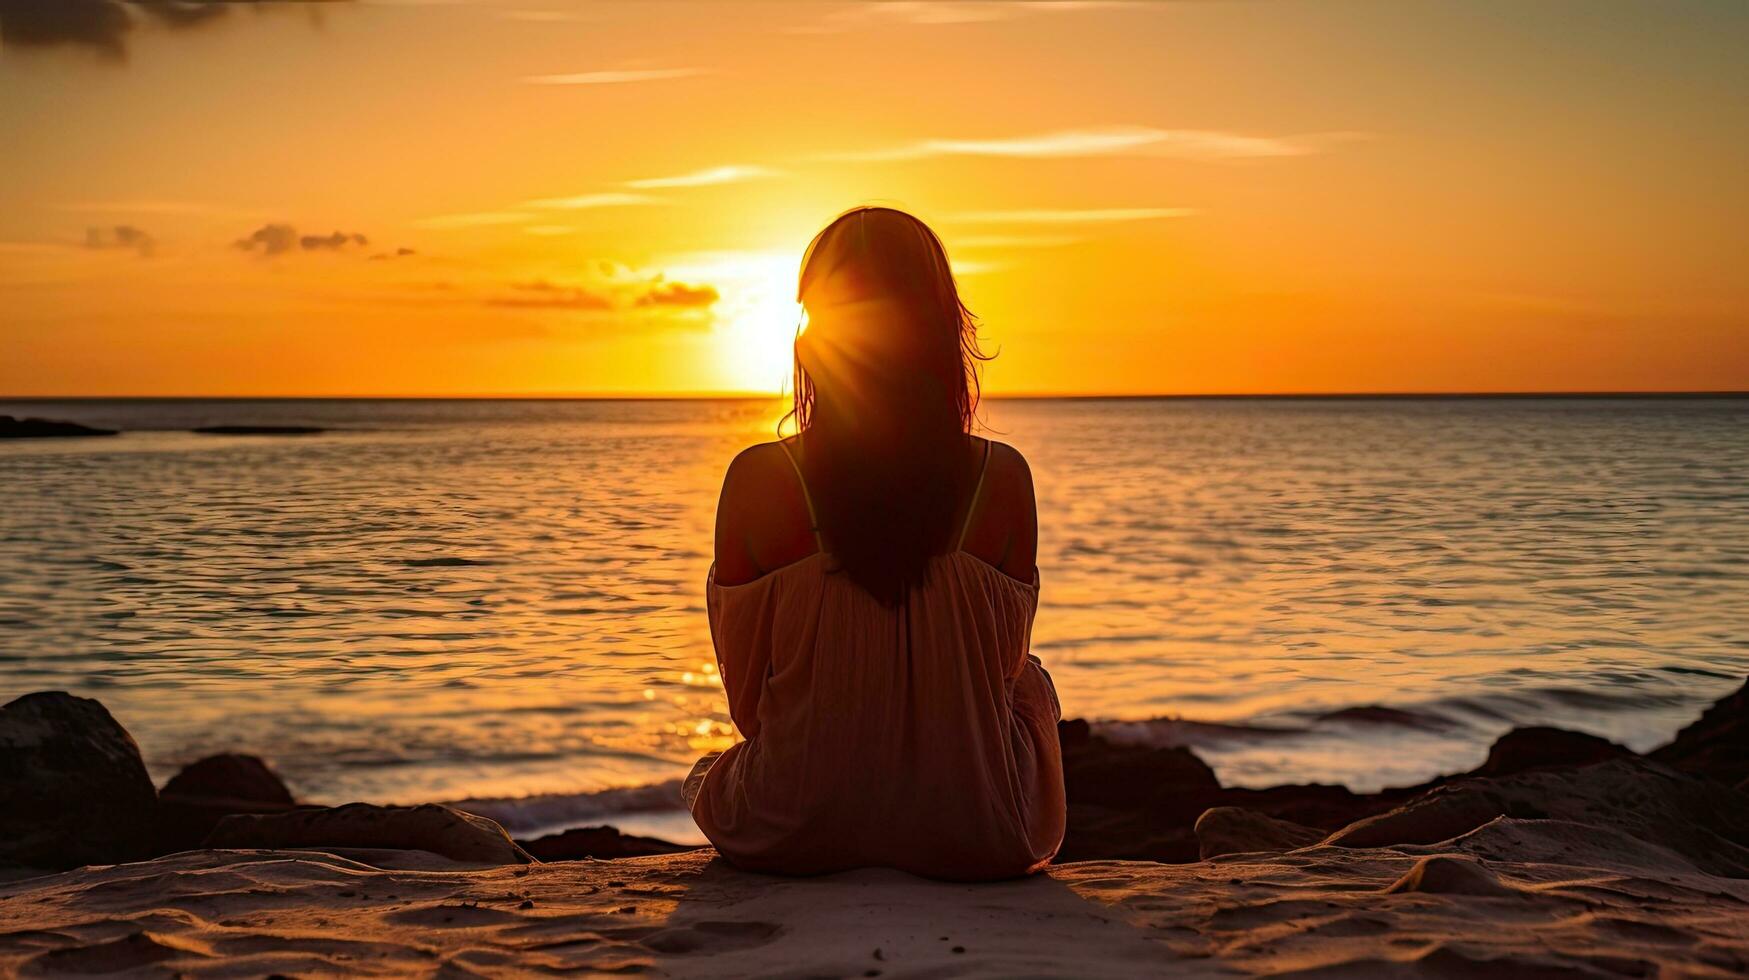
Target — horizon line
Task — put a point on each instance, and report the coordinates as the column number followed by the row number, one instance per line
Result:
column 1679, row 393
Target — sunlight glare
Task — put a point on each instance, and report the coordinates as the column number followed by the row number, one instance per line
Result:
column 757, row 316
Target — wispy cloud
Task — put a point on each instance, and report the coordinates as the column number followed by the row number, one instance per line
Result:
column 584, row 201
column 531, row 216
column 619, row 77
column 730, row 174
column 1198, row 144
column 474, row 219
column 1070, row 217
column 847, row 17
column 1013, row 241
column 121, row 236
column 608, row 294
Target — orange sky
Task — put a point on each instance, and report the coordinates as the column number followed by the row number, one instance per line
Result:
column 1139, row 197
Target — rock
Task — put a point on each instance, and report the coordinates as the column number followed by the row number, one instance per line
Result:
column 193, row 802
column 1102, row 773
column 229, row 777
column 1704, row 821
column 1131, row 801
column 1236, row 830
column 73, row 788
column 1538, row 747
column 428, row 827
column 1717, row 744
column 597, row 842
column 1450, row 874
column 11, row 428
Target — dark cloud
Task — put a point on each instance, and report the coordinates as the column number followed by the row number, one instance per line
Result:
column 97, row 24
column 271, row 239
column 120, row 236
column 332, row 242
column 678, row 294
column 399, row 253
column 279, row 238
column 103, row 25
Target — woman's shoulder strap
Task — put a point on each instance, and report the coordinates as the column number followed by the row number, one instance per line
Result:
column 977, row 490
column 802, row 481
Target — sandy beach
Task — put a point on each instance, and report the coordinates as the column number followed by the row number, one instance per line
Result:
column 1564, row 855
column 1571, row 901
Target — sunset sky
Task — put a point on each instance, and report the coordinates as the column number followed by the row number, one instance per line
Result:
column 542, row 197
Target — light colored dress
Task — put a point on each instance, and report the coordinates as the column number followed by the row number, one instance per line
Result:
column 921, row 736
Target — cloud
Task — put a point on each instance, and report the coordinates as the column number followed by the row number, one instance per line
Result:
column 271, row 239
column 1013, row 241
column 472, row 220
column 729, row 174
column 120, row 236
column 678, row 294
column 1194, row 144
column 278, row 238
column 933, row 12
column 616, row 77
column 332, row 242
column 1071, row 217
column 583, row 201
column 617, row 289
column 399, row 253
column 544, row 295
column 103, row 25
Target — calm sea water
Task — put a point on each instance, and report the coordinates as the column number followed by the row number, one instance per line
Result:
column 449, row 600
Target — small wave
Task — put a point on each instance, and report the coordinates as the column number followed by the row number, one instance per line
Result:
column 1174, row 732
column 444, row 562
column 530, row 816
column 1380, row 715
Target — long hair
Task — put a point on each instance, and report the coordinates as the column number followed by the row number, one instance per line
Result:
column 886, row 392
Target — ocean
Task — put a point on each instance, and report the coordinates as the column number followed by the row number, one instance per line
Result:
column 503, row 601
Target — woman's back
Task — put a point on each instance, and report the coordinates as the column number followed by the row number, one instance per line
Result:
column 916, row 734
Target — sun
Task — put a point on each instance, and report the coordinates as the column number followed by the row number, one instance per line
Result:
column 757, row 316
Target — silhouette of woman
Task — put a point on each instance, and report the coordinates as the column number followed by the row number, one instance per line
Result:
column 873, row 595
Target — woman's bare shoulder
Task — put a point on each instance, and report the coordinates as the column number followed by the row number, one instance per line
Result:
column 1008, row 466
column 762, row 517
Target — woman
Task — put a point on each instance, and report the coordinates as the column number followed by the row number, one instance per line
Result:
column 873, row 594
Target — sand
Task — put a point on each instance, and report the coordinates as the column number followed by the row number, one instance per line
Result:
column 1513, row 898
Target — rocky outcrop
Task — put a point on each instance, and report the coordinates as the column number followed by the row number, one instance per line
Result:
column 1704, row 821
column 73, row 789
column 428, row 827
column 1717, row 744
column 11, row 428
column 597, row 842
column 1148, row 803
